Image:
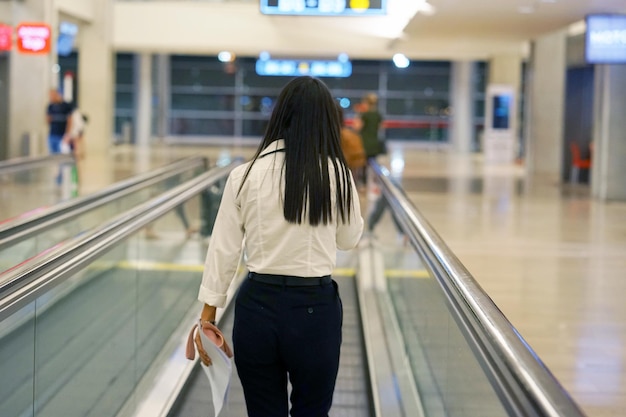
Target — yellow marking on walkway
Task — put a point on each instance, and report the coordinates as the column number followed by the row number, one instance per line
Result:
column 160, row 266
column 342, row 272
column 406, row 273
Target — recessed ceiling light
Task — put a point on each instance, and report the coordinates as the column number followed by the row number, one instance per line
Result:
column 225, row 56
column 401, row 61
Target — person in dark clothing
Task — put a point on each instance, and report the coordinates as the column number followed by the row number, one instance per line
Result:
column 58, row 116
column 369, row 125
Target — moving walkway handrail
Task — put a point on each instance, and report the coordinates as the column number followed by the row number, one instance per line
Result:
column 23, row 227
column 24, row 163
column 38, row 275
column 524, row 381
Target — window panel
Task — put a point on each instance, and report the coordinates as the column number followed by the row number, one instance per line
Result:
column 120, row 121
column 202, row 127
column 212, row 102
column 422, row 83
column 431, row 134
column 251, row 79
column 258, row 103
column 357, row 81
column 254, row 127
column 124, row 100
column 417, row 107
column 199, row 77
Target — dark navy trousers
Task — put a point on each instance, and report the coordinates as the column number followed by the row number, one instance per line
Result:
column 287, row 333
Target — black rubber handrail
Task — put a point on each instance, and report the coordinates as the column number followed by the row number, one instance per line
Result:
column 23, row 227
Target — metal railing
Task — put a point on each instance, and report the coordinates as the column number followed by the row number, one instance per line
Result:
column 524, row 384
column 50, row 268
column 20, row 228
column 25, row 163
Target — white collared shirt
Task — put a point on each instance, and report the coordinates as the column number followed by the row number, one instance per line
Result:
column 272, row 245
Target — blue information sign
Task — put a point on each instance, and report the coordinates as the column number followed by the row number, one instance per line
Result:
column 294, row 68
column 606, row 39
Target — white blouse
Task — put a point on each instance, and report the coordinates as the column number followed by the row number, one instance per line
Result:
column 272, row 245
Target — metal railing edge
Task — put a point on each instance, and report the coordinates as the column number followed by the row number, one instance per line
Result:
column 524, row 365
column 385, row 399
column 168, row 378
column 52, row 267
column 13, row 226
column 27, row 162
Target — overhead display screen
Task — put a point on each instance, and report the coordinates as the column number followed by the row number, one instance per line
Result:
column 292, row 67
column 606, row 39
column 324, row 7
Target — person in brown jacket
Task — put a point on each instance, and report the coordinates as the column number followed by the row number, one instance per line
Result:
column 353, row 151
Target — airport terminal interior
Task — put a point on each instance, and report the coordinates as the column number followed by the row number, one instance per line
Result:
column 492, row 284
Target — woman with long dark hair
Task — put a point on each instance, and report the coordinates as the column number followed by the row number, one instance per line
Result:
column 291, row 207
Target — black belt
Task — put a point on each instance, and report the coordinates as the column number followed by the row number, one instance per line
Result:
column 289, row 280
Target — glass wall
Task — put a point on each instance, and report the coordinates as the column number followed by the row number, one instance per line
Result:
column 208, row 98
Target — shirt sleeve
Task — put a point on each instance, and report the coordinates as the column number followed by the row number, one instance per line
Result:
column 224, row 251
column 349, row 233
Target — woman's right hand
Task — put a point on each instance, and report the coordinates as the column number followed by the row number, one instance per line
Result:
column 204, row 357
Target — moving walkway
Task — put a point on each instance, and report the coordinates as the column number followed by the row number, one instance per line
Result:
column 97, row 327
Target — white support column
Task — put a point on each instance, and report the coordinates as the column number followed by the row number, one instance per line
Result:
column 96, row 86
column 143, row 99
column 462, row 100
column 30, row 80
column 545, row 106
column 608, row 167
column 96, row 92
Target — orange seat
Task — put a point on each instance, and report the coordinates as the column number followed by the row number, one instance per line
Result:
column 577, row 162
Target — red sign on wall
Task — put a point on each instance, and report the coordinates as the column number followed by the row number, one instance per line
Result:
column 6, row 38
column 33, row 38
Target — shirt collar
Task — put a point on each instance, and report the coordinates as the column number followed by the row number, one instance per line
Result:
column 274, row 146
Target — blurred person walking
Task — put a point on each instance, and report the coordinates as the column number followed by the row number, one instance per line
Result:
column 368, row 125
column 76, row 132
column 352, row 148
column 58, row 116
column 290, row 208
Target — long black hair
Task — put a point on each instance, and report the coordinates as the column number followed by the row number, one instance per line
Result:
column 305, row 117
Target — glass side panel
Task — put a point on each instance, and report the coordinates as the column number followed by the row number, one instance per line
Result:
column 448, row 376
column 28, row 190
column 169, row 271
column 85, row 346
column 17, row 369
column 85, row 341
column 13, row 255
